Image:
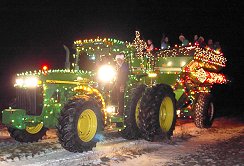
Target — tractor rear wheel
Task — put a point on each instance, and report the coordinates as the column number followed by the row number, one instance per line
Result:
column 131, row 130
column 204, row 111
column 158, row 112
column 80, row 125
column 30, row 134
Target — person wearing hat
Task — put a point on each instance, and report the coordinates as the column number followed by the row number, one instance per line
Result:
column 201, row 42
column 184, row 41
column 122, row 77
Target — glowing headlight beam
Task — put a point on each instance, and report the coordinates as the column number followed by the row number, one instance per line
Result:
column 19, row 82
column 106, row 73
column 30, row 82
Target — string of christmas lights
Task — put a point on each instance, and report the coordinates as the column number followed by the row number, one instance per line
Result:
column 139, row 44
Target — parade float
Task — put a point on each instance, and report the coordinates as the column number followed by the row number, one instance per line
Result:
column 162, row 84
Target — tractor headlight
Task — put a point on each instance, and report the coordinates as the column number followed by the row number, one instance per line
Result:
column 29, row 82
column 106, row 73
column 19, row 82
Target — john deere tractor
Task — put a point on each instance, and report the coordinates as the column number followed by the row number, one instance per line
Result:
column 78, row 103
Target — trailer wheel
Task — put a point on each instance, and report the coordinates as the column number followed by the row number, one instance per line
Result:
column 131, row 130
column 30, row 134
column 80, row 125
column 204, row 111
column 158, row 113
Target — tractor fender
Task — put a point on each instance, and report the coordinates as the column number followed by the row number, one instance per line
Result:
column 87, row 92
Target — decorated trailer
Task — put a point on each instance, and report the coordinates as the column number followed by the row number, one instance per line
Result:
column 78, row 102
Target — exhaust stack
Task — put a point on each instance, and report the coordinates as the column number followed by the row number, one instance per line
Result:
column 67, row 63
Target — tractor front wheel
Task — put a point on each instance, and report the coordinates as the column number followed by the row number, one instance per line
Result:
column 30, row 134
column 80, row 125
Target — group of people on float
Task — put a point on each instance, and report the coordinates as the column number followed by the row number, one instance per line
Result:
column 123, row 67
column 198, row 41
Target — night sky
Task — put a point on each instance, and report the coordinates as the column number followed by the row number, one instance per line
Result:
column 33, row 32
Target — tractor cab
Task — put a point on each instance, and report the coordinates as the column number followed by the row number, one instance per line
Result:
column 98, row 51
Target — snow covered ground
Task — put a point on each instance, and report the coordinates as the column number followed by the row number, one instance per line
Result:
column 187, row 142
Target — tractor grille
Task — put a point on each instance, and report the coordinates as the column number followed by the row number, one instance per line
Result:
column 30, row 99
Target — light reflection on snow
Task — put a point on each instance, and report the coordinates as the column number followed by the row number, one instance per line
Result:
column 99, row 137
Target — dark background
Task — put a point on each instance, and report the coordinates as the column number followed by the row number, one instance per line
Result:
column 32, row 34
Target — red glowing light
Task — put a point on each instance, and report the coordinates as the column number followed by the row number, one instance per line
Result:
column 44, row 68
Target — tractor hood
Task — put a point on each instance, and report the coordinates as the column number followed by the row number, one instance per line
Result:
column 34, row 79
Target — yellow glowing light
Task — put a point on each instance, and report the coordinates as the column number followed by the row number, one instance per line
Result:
column 106, row 73
column 27, row 82
column 152, row 75
column 178, row 112
column 169, row 63
column 19, row 82
column 183, row 63
column 110, row 109
column 31, row 82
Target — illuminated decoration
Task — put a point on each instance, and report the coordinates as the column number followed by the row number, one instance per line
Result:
column 205, row 55
column 169, row 63
column 183, row 63
column 145, row 62
column 209, row 77
column 201, row 75
column 55, row 86
column 176, row 51
column 40, row 72
column 210, row 56
column 152, row 75
column 144, row 59
column 189, row 70
column 216, row 78
column 97, row 48
column 98, row 41
column 139, row 44
column 178, row 113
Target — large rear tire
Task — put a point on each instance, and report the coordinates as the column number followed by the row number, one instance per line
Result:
column 31, row 134
column 204, row 111
column 158, row 113
column 131, row 130
column 80, row 125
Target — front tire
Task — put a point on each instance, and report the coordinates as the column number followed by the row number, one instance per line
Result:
column 80, row 125
column 131, row 130
column 158, row 113
column 204, row 111
column 31, row 134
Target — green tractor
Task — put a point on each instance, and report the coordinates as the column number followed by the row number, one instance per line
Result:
column 78, row 102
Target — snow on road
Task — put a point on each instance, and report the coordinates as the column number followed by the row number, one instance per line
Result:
column 115, row 150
